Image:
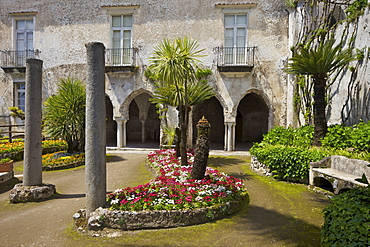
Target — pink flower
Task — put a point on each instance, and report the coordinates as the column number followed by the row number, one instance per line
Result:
column 189, row 198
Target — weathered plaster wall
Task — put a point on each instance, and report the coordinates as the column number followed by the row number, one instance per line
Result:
column 349, row 93
column 64, row 27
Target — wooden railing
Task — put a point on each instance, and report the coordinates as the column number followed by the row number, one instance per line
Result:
column 10, row 133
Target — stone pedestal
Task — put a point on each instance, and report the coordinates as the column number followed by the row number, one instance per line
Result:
column 23, row 193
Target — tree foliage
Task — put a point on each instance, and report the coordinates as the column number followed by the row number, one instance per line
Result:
column 176, row 69
column 319, row 61
column 64, row 114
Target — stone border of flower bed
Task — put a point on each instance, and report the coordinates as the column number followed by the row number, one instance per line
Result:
column 151, row 219
column 64, row 166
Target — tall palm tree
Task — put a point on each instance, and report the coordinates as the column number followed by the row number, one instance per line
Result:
column 175, row 65
column 64, row 114
column 320, row 61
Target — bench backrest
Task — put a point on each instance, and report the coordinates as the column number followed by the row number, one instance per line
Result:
column 351, row 166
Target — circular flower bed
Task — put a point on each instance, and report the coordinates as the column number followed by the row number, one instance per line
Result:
column 173, row 198
column 173, row 189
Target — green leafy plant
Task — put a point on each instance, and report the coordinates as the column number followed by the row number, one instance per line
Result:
column 16, row 112
column 6, row 160
column 338, row 137
column 169, row 134
column 347, row 219
column 286, row 162
column 64, row 114
column 341, row 137
column 288, row 151
column 299, row 137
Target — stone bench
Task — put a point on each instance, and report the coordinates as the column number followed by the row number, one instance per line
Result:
column 341, row 172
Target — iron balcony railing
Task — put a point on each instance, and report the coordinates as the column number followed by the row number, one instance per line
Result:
column 17, row 58
column 120, row 56
column 235, row 56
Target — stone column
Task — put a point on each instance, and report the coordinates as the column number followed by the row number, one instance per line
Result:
column 32, row 188
column 121, row 133
column 32, row 173
column 95, row 128
column 142, row 130
column 230, row 136
column 225, row 137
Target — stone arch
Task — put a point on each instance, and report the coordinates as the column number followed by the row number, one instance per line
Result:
column 213, row 110
column 143, row 124
column 253, row 117
column 323, row 183
column 124, row 108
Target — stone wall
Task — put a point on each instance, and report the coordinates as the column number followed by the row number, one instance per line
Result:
column 259, row 167
column 133, row 220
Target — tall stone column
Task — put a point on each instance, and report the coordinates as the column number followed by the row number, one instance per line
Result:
column 32, row 188
column 95, row 149
column 32, row 172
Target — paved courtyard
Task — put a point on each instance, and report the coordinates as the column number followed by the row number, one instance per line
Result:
column 279, row 214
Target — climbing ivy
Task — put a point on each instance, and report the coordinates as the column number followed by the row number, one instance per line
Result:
column 320, row 20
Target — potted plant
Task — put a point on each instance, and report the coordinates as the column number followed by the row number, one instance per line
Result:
column 6, row 165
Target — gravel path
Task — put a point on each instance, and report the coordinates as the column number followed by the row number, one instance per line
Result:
column 279, row 214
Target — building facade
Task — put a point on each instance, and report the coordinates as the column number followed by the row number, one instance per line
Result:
column 246, row 46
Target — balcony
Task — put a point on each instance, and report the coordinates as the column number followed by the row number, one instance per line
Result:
column 121, row 60
column 235, row 61
column 15, row 61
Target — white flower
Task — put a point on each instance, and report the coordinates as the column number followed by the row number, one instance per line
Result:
column 114, row 201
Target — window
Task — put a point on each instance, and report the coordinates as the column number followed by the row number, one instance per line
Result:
column 23, row 40
column 235, row 38
column 20, row 95
column 121, row 39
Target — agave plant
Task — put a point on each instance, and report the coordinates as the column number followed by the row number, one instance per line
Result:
column 320, row 61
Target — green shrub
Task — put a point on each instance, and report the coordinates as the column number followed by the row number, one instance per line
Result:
column 342, row 137
column 300, row 137
column 287, row 162
column 347, row 219
column 338, row 137
column 288, row 151
column 361, row 136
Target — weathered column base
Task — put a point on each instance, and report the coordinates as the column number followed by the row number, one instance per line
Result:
column 22, row 193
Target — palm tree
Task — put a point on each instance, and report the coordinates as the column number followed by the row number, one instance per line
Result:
column 64, row 114
column 320, row 61
column 174, row 66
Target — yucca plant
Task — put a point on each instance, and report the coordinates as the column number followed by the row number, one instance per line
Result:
column 175, row 67
column 320, row 61
column 64, row 114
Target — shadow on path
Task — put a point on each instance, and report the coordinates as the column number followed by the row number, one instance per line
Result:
column 221, row 161
column 68, row 196
column 277, row 227
column 111, row 158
